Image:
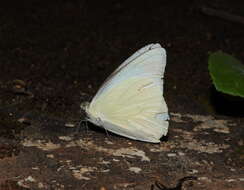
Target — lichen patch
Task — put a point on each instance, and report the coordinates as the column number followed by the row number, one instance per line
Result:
column 129, row 152
column 41, row 144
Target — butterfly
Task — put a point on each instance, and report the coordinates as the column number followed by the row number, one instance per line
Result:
column 130, row 102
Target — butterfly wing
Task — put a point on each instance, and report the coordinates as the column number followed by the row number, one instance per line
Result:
column 130, row 102
column 126, row 66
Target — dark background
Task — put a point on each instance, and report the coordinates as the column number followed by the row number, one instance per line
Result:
column 62, row 48
column 56, row 54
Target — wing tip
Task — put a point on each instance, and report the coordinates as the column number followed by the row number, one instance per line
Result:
column 157, row 46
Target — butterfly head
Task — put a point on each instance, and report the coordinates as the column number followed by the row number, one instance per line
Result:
column 90, row 116
column 84, row 105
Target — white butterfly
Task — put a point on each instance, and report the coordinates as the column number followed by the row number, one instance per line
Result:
column 130, row 102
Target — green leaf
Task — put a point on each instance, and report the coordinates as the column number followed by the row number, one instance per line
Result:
column 227, row 73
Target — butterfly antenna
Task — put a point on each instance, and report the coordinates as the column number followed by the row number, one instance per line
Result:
column 90, row 98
